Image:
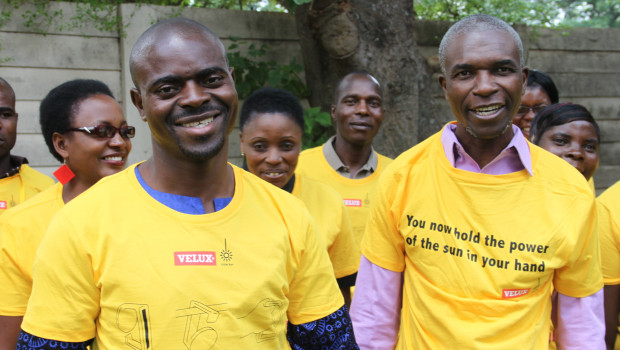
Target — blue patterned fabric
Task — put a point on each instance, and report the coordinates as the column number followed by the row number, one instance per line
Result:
column 28, row 341
column 331, row 332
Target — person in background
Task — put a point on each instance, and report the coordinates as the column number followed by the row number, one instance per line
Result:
column 540, row 93
column 446, row 263
column 84, row 128
column 272, row 124
column 347, row 161
column 18, row 181
column 570, row 132
column 608, row 211
column 184, row 250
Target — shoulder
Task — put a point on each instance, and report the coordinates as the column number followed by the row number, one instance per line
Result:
column 310, row 187
column 34, row 178
column 312, row 152
column 411, row 158
column 256, row 189
column 611, row 197
column 44, row 199
column 555, row 173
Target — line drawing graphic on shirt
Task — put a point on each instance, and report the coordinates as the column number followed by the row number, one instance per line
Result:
column 134, row 320
column 268, row 316
column 198, row 332
column 226, row 255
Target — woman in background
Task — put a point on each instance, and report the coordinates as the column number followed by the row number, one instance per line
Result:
column 272, row 125
column 84, row 128
column 539, row 93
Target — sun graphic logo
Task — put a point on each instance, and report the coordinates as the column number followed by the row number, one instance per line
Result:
column 226, row 255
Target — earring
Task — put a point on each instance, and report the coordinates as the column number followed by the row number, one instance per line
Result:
column 64, row 174
column 242, row 154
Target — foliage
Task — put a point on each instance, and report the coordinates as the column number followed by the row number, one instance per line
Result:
column 253, row 71
column 592, row 13
column 546, row 13
column 529, row 12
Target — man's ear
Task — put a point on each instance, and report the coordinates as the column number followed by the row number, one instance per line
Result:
column 241, row 142
column 332, row 112
column 231, row 70
column 526, row 73
column 60, row 144
column 442, row 82
column 136, row 98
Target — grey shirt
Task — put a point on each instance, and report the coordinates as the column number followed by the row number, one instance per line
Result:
column 334, row 161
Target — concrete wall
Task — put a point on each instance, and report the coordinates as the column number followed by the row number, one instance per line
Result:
column 584, row 63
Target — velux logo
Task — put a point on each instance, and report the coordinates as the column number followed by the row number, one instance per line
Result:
column 194, row 258
column 353, row 202
column 514, row 293
column 3, row 205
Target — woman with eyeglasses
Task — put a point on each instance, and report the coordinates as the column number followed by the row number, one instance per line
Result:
column 539, row 93
column 83, row 127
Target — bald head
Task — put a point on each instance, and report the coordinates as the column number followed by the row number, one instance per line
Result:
column 165, row 31
column 346, row 80
column 7, row 93
column 477, row 23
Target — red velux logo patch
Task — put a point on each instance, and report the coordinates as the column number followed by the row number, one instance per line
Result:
column 514, row 293
column 3, row 205
column 353, row 202
column 194, row 258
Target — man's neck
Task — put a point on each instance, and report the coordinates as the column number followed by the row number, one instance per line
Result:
column 207, row 180
column 353, row 156
column 483, row 151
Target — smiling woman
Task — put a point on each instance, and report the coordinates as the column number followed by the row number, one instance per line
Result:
column 83, row 127
column 272, row 124
column 570, row 132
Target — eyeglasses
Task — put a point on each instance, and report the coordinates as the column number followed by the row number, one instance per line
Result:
column 523, row 110
column 107, row 131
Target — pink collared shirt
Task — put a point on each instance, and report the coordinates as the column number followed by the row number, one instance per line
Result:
column 375, row 310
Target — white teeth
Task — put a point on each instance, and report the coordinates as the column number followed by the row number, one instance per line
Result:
column 114, row 159
column 199, row 124
column 273, row 174
column 488, row 110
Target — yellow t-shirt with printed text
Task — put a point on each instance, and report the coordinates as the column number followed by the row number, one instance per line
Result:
column 477, row 276
column 119, row 266
column 609, row 231
column 356, row 193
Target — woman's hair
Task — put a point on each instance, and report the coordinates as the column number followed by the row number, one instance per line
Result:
column 538, row 78
column 60, row 105
column 272, row 100
column 559, row 114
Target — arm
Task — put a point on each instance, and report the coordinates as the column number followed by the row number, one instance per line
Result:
column 375, row 310
column 330, row 332
column 29, row 341
column 581, row 322
column 9, row 331
column 612, row 293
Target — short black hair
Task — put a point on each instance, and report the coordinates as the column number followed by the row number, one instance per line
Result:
column 60, row 105
column 272, row 100
column 542, row 79
column 559, row 114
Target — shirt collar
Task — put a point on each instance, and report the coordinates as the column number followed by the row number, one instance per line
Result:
column 516, row 156
column 336, row 163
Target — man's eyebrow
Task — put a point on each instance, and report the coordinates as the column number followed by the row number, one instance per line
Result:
column 6, row 109
column 506, row 62
column 463, row 66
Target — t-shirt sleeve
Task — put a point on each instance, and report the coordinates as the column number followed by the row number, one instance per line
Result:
column 581, row 275
column 15, row 282
column 65, row 299
column 383, row 245
column 313, row 292
column 609, row 235
column 344, row 252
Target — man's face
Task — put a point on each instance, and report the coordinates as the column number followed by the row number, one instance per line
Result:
column 358, row 111
column 8, row 121
column 483, row 82
column 187, row 95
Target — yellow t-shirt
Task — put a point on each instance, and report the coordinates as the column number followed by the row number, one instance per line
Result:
column 477, row 276
column 21, row 186
column 356, row 193
column 327, row 208
column 118, row 265
column 608, row 211
column 21, row 231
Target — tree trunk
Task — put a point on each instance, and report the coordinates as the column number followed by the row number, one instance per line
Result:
column 338, row 37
